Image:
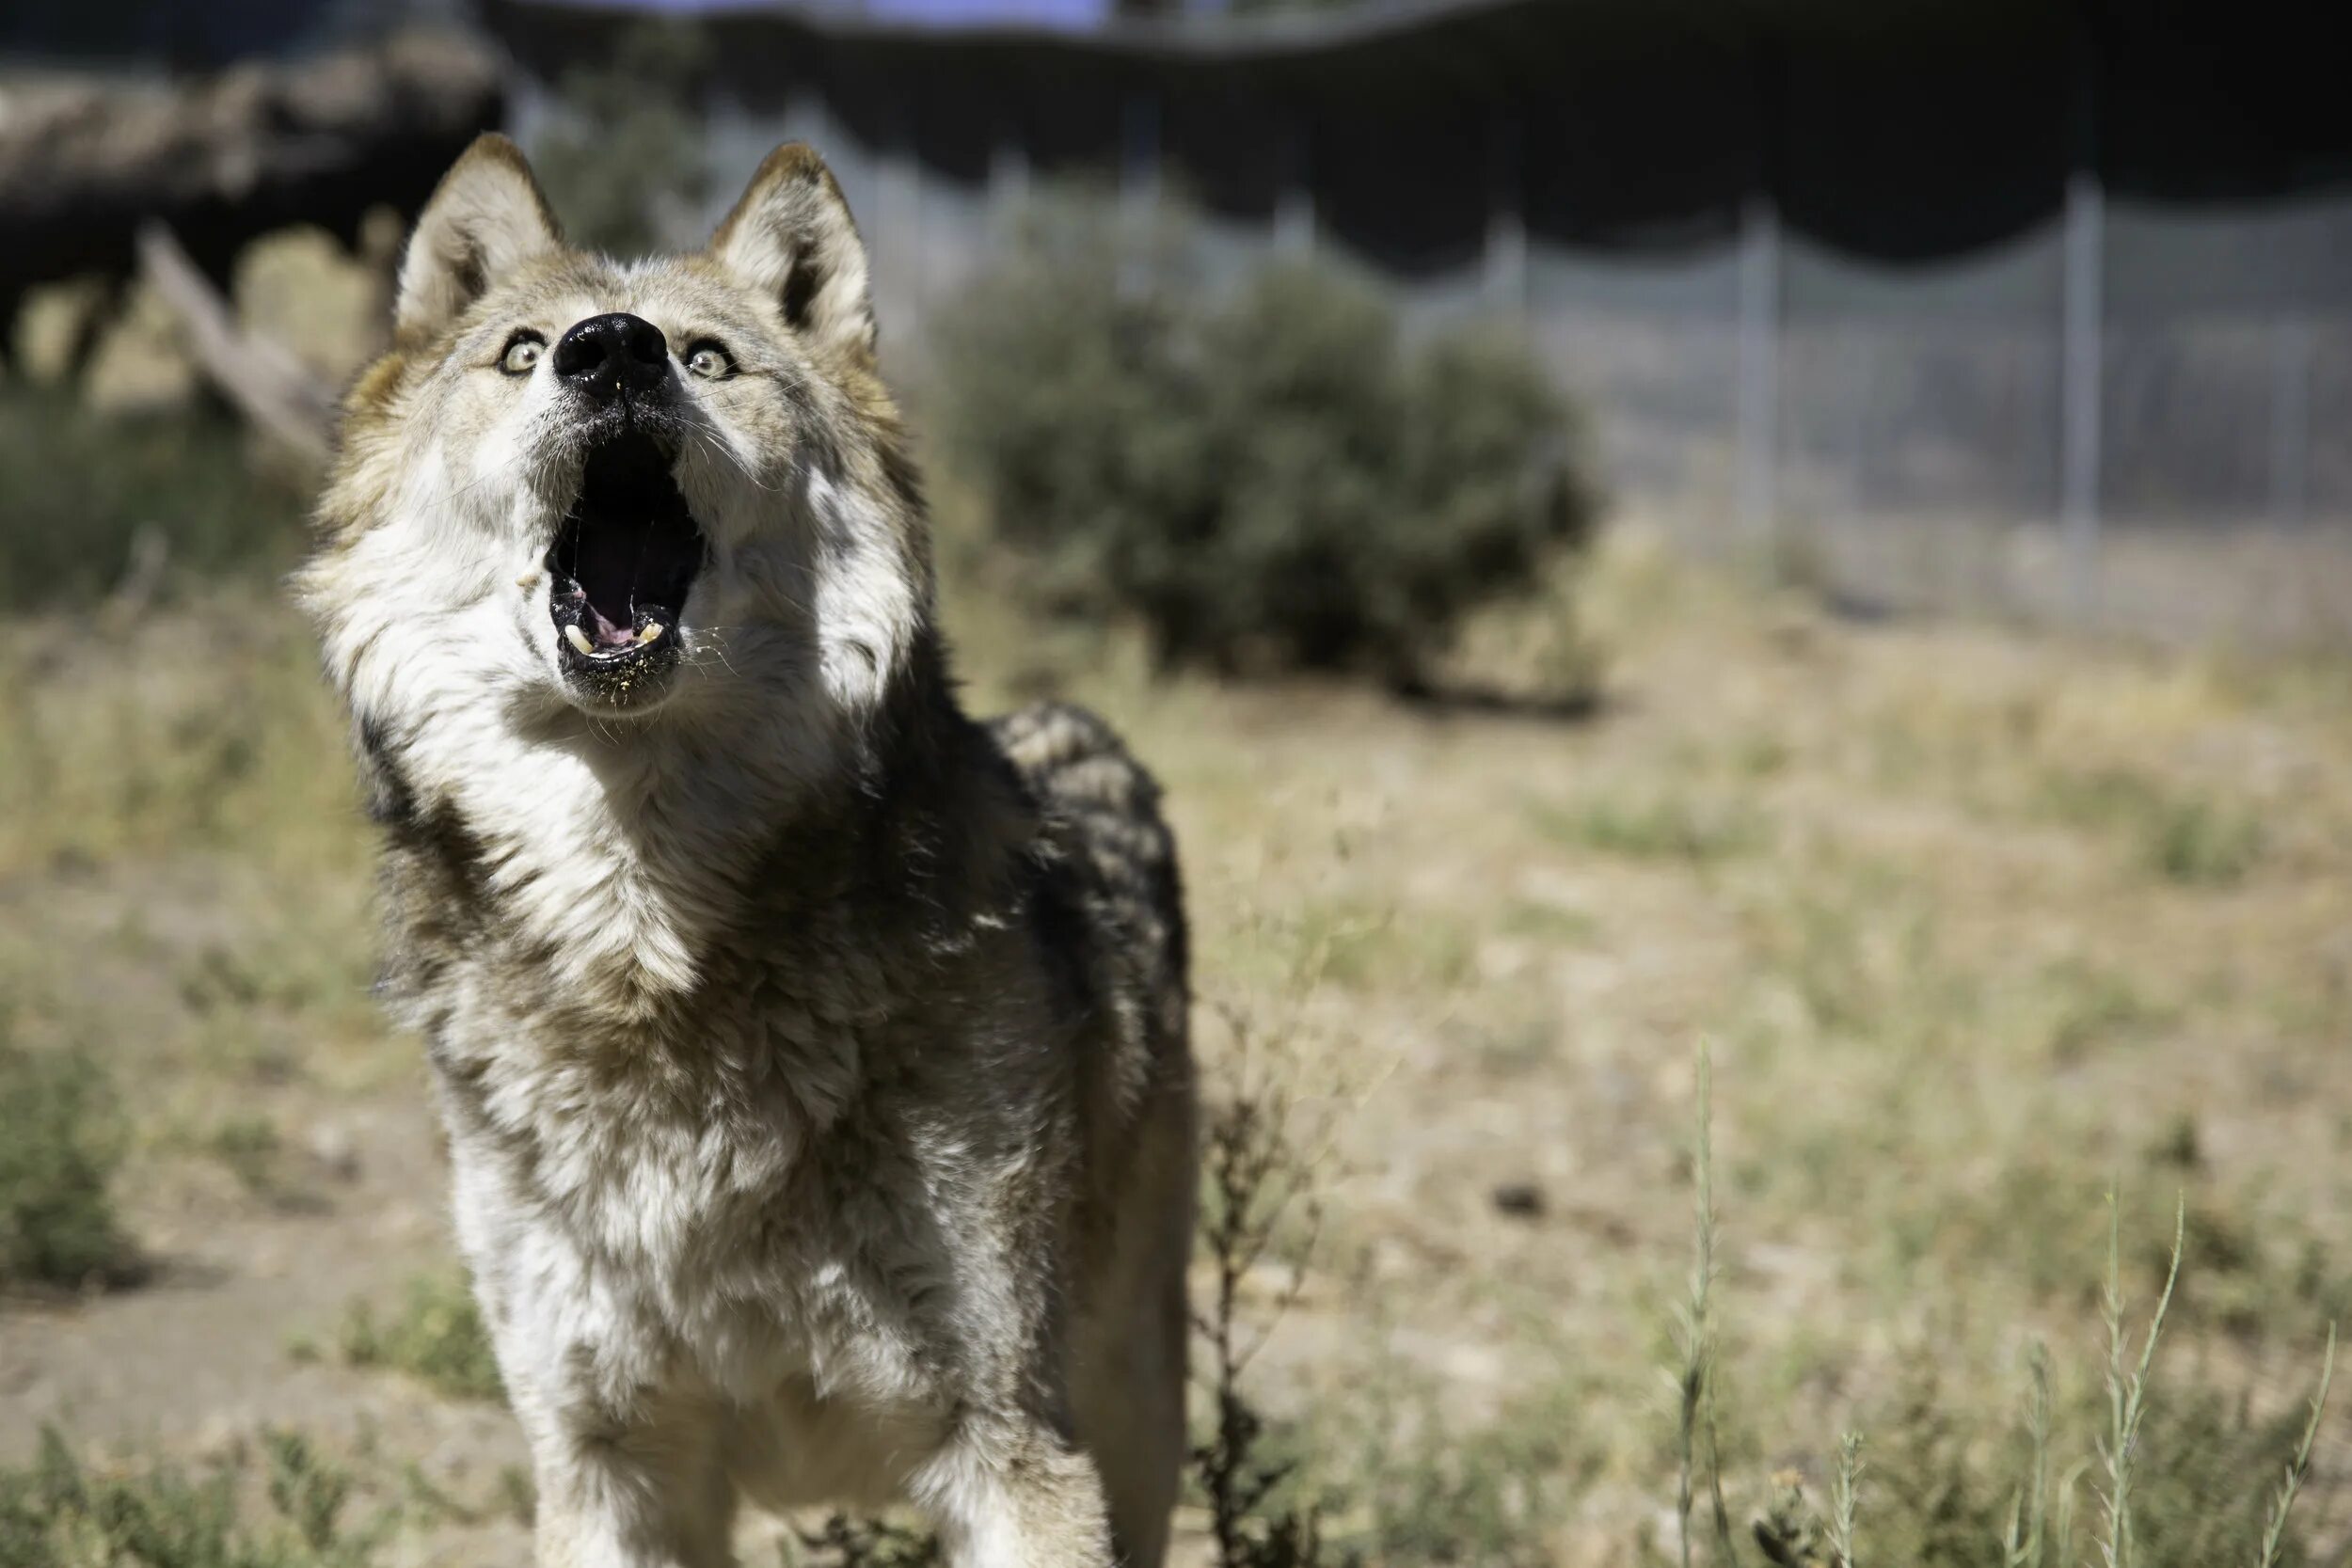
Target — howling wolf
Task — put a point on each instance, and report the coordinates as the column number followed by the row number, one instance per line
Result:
column 813, row 1057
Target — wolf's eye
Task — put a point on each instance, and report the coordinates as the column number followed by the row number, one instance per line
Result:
column 522, row 352
column 709, row 360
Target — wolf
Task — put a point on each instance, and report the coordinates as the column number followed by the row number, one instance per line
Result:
column 813, row 1057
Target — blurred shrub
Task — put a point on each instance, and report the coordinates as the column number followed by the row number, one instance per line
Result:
column 1272, row 478
column 625, row 170
column 60, row 1141
column 87, row 500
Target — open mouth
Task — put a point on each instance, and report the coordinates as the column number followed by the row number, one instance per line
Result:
column 622, row 564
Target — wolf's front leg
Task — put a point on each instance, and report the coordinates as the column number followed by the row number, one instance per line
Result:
column 625, row 1444
column 641, row 1489
column 1016, row 1496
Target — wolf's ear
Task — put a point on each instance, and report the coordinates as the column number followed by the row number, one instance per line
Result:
column 792, row 238
column 486, row 216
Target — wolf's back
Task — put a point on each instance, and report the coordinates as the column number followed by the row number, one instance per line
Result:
column 1104, row 810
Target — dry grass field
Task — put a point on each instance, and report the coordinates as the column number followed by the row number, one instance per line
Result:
column 1974, row 924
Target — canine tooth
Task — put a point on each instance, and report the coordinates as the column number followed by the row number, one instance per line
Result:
column 528, row 581
column 579, row 639
column 653, row 629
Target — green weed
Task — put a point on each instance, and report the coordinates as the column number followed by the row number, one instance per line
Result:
column 435, row 1334
column 2201, row 844
column 1434, row 1492
column 1661, row 827
column 251, row 1148
column 2175, row 1482
column 60, row 1514
column 2187, row 839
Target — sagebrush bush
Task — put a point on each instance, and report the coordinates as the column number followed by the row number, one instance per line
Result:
column 60, row 1141
column 1269, row 478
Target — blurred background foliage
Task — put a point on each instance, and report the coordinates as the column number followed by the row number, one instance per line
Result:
column 1268, row 476
column 623, row 165
column 97, row 502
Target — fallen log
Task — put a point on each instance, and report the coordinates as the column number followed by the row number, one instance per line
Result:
column 224, row 159
column 275, row 391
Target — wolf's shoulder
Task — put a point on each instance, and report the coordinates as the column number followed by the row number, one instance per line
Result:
column 1074, row 760
column 1103, row 808
column 1084, row 776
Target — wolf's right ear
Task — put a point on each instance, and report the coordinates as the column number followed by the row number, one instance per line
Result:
column 486, row 216
column 792, row 237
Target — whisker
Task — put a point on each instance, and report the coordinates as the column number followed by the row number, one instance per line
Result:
column 722, row 450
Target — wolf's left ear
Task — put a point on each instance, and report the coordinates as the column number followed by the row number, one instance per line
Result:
column 792, row 238
column 485, row 216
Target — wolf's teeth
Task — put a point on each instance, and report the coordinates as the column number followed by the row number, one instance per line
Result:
column 528, row 581
column 653, row 629
column 579, row 639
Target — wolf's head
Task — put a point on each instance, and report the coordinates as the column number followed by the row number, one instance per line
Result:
column 663, row 497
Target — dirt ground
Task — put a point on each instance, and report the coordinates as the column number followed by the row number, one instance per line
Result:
column 1973, row 921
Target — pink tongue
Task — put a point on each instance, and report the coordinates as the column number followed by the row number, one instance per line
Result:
column 606, row 633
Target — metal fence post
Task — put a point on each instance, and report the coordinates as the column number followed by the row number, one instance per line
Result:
column 1759, row 368
column 1139, row 189
column 1506, row 218
column 2290, row 416
column 1294, row 203
column 1008, row 172
column 2082, row 309
column 2080, row 370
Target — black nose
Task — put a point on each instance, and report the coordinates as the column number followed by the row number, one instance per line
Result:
column 605, row 354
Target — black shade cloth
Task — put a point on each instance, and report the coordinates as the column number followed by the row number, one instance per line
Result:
column 1897, row 133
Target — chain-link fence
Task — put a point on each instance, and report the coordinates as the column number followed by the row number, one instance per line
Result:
column 2126, row 414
